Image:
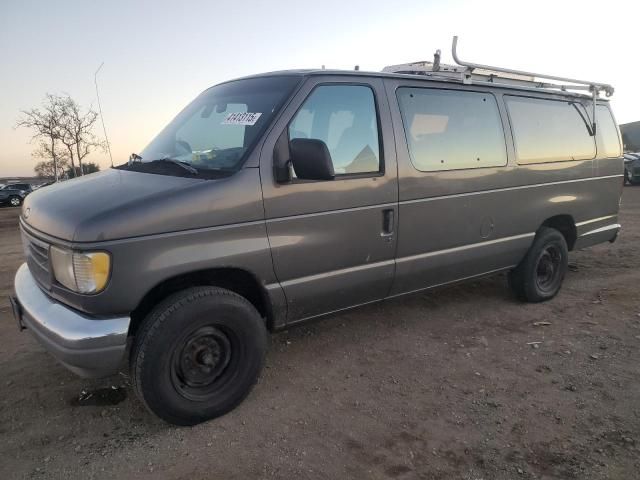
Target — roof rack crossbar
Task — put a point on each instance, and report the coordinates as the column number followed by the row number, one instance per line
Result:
column 476, row 73
column 608, row 89
column 593, row 87
column 486, row 77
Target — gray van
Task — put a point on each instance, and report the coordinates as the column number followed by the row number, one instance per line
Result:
column 278, row 198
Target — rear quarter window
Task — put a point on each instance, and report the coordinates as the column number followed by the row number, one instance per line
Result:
column 451, row 129
column 549, row 130
column 608, row 132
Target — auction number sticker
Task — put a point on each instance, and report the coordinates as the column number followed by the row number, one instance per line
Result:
column 241, row 118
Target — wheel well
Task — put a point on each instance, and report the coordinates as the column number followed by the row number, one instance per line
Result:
column 566, row 226
column 239, row 281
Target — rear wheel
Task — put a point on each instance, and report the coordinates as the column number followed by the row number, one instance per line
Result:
column 539, row 275
column 628, row 178
column 15, row 201
column 198, row 354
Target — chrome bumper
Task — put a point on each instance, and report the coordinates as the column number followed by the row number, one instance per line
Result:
column 88, row 346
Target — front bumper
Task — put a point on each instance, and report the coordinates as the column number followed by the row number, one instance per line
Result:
column 88, row 346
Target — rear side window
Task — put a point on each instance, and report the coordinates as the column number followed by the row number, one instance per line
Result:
column 451, row 130
column 344, row 117
column 608, row 131
column 549, row 130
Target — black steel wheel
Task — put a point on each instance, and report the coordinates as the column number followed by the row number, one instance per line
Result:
column 200, row 362
column 198, row 354
column 540, row 274
column 549, row 268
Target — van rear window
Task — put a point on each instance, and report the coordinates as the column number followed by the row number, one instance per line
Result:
column 452, row 129
column 608, row 132
column 549, row 130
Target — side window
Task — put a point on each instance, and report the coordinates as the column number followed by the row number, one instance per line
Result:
column 344, row 117
column 549, row 130
column 451, row 130
column 606, row 128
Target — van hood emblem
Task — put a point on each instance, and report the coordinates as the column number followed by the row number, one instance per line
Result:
column 26, row 213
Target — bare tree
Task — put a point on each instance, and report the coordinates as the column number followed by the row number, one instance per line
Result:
column 61, row 125
column 46, row 168
column 87, row 167
column 60, row 104
column 45, row 124
column 77, row 130
column 54, row 162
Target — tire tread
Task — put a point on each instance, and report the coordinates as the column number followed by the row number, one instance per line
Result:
column 521, row 278
column 154, row 322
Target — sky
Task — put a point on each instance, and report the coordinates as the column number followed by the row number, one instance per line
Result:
column 159, row 55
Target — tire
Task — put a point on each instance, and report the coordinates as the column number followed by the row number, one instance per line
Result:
column 15, row 201
column 539, row 275
column 628, row 179
column 198, row 354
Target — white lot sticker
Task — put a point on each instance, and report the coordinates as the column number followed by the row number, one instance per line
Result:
column 241, row 118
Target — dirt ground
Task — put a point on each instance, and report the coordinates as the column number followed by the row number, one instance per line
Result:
column 440, row 385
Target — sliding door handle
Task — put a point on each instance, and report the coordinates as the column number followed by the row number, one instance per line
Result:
column 388, row 222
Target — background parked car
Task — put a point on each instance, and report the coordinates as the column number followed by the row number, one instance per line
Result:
column 632, row 168
column 14, row 194
column 26, row 187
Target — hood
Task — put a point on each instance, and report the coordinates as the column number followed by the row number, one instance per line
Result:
column 117, row 204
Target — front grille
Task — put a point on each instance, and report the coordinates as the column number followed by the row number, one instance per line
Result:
column 37, row 253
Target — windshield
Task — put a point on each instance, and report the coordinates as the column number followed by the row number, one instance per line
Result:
column 218, row 129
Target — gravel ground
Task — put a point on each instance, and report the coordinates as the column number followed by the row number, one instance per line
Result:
column 440, row 385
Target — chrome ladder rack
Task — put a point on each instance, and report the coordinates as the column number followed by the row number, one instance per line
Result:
column 468, row 73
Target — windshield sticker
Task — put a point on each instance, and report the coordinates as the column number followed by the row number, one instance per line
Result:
column 241, row 118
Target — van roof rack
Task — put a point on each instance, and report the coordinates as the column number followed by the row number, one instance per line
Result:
column 470, row 73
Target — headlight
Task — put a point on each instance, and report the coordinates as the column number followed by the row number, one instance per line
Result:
column 83, row 272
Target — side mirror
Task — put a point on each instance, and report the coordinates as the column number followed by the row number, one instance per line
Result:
column 311, row 159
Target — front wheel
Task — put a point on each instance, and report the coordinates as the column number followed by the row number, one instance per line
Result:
column 198, row 354
column 15, row 201
column 539, row 275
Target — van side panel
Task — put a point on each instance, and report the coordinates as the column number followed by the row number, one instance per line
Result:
column 474, row 233
column 458, row 224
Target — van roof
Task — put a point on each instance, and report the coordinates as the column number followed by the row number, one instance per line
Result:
column 426, row 77
column 471, row 73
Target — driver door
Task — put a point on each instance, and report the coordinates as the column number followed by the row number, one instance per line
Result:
column 333, row 242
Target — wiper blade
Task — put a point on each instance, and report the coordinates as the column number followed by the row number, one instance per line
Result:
column 184, row 165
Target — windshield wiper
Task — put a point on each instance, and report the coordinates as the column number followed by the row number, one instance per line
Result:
column 184, row 165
